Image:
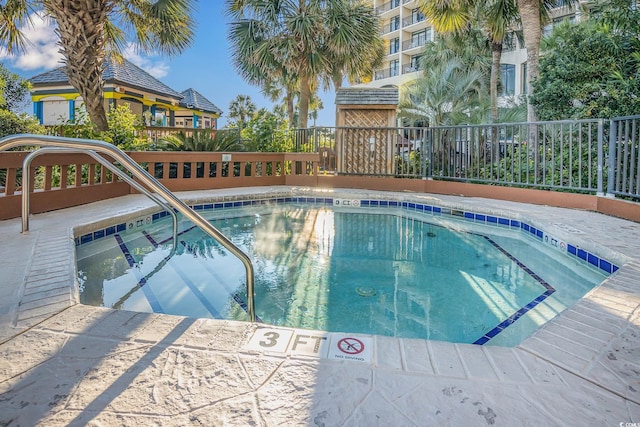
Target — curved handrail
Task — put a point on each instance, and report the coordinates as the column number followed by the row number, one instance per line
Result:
column 19, row 140
column 26, row 178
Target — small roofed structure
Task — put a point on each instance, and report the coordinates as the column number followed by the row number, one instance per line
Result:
column 361, row 151
column 196, row 111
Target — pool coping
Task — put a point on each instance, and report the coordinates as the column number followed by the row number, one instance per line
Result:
column 593, row 341
column 411, row 207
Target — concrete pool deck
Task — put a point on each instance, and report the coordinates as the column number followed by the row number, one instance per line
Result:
column 63, row 363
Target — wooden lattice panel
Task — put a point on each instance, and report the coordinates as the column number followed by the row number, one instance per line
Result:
column 366, row 118
column 368, row 149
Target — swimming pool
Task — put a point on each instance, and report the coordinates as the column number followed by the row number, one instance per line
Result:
column 370, row 266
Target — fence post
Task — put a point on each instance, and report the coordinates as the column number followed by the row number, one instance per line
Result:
column 429, row 151
column 612, row 158
column 600, row 157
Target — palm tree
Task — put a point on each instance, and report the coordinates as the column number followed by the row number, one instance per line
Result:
column 444, row 95
column 355, row 46
column 497, row 17
column 241, row 109
column 305, row 37
column 283, row 87
column 90, row 30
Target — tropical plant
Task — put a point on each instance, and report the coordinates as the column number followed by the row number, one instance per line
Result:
column 12, row 123
column 201, row 140
column 310, row 39
column 533, row 15
column 444, row 95
column 267, row 132
column 241, row 108
column 13, row 90
column 78, row 126
column 592, row 69
column 126, row 129
column 453, row 84
column 89, row 30
column 282, row 87
column 355, row 48
column 496, row 17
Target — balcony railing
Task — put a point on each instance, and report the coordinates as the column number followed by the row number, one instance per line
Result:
column 412, row 20
column 390, row 26
column 412, row 44
column 388, row 6
column 385, row 74
column 411, row 68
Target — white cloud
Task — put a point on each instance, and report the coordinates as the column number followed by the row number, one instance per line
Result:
column 156, row 68
column 41, row 50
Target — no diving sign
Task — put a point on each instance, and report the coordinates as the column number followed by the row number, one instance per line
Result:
column 295, row 342
column 348, row 347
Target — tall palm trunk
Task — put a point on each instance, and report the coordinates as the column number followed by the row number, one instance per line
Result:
column 305, row 95
column 290, row 106
column 496, row 54
column 82, row 37
column 532, row 32
column 336, row 78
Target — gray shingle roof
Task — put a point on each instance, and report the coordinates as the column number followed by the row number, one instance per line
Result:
column 193, row 99
column 124, row 73
column 368, row 96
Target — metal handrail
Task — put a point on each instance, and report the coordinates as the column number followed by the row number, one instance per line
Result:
column 26, row 166
column 19, row 140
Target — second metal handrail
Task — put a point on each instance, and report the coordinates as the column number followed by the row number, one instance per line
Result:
column 26, row 179
column 19, row 140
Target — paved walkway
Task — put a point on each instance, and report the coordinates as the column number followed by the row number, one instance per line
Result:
column 62, row 363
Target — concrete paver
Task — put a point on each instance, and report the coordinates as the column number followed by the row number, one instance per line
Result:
column 62, row 363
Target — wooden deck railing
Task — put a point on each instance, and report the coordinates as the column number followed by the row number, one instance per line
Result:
column 65, row 180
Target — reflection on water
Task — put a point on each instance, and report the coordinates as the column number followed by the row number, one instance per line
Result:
column 338, row 271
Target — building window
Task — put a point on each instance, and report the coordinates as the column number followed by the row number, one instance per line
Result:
column 394, row 46
column 419, row 38
column 508, row 79
column 415, row 62
column 546, row 31
column 416, row 16
column 394, row 67
column 394, row 23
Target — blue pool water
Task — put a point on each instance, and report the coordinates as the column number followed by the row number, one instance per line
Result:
column 379, row 271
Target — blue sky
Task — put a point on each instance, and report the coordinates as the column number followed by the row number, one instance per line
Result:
column 205, row 66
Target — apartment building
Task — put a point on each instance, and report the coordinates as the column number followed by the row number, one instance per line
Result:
column 406, row 30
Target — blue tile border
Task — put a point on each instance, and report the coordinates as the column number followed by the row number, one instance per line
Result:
column 573, row 250
column 523, row 310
